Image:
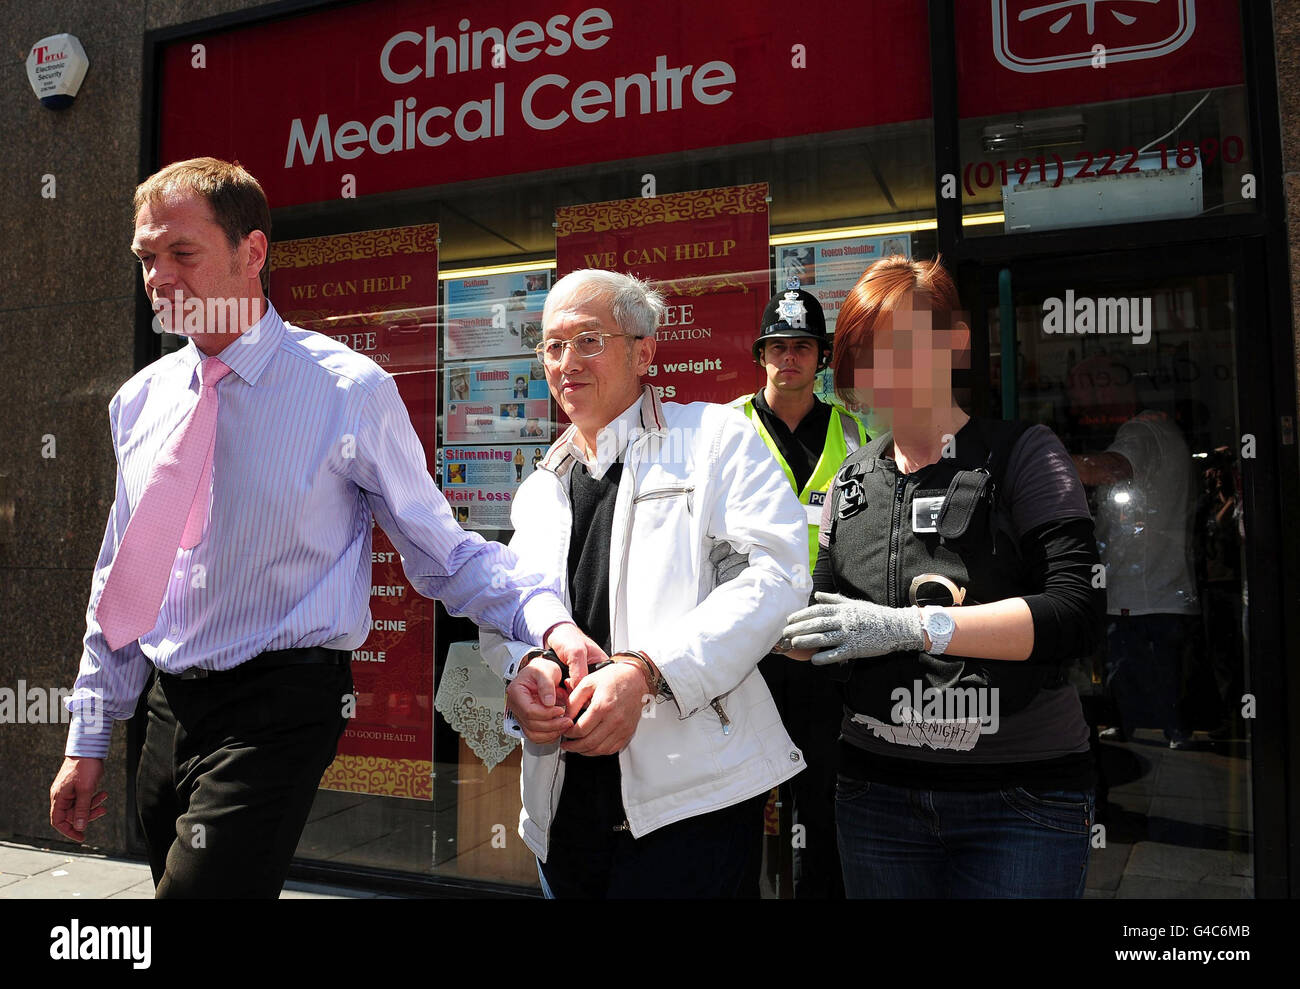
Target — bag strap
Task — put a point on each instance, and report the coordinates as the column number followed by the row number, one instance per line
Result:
column 876, row 448
column 970, row 488
column 1000, row 437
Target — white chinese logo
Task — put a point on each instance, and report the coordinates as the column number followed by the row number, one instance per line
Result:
column 1134, row 29
column 1090, row 13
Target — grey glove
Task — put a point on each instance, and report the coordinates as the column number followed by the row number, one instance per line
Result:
column 727, row 563
column 844, row 628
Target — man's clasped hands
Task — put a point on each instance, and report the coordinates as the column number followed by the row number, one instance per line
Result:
column 595, row 710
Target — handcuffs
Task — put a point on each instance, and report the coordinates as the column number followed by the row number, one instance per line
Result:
column 658, row 685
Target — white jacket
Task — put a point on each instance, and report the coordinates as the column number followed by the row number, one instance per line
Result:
column 693, row 476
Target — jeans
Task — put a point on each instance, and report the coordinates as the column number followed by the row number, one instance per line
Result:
column 898, row 842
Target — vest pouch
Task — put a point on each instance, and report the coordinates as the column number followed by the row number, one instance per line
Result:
column 969, row 493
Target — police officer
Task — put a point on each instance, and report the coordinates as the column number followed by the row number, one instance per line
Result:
column 954, row 587
column 810, row 439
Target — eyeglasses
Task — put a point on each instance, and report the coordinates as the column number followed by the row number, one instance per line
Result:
column 584, row 345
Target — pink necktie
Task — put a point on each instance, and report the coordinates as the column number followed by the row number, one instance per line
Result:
column 170, row 514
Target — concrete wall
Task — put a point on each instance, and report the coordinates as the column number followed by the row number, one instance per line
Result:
column 1286, row 29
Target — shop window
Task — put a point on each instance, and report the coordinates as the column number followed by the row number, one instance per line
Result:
column 434, row 258
column 833, row 204
column 1098, row 112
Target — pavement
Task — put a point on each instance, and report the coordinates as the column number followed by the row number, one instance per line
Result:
column 1178, row 825
column 30, row 873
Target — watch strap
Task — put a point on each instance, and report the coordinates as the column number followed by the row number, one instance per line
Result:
column 938, row 626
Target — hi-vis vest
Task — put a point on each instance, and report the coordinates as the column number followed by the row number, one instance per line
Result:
column 844, row 434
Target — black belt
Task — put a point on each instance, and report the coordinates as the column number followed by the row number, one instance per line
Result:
column 270, row 660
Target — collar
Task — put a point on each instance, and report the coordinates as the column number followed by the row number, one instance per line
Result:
column 249, row 353
column 645, row 415
column 760, row 403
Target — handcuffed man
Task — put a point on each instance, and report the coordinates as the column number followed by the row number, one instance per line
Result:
column 679, row 547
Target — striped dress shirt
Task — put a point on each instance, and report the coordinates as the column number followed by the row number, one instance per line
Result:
column 312, row 441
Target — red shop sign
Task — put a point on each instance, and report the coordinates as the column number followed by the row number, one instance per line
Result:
column 408, row 93
column 1030, row 54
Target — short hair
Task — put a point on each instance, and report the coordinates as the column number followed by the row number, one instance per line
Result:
column 876, row 294
column 636, row 306
column 236, row 199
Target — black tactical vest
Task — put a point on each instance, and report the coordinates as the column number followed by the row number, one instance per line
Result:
column 876, row 553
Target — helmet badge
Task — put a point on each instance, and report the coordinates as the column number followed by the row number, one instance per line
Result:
column 793, row 312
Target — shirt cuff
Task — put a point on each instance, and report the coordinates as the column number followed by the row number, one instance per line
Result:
column 540, row 613
column 512, row 727
column 512, row 667
column 89, row 737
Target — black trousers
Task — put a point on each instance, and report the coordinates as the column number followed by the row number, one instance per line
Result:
column 229, row 770
column 811, row 706
column 717, row 855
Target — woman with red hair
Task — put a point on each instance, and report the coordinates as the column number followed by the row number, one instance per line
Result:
column 953, row 584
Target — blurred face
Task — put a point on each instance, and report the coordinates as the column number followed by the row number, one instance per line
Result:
column 185, row 255
column 592, row 391
column 908, row 372
column 790, row 364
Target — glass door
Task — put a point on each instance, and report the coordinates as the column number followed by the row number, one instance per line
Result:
column 1136, row 364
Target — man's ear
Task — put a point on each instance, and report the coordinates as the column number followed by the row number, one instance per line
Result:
column 257, row 248
column 644, row 350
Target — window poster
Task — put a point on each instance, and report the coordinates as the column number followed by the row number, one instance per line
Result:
column 495, row 315
column 497, row 401
column 479, row 482
column 377, row 292
column 707, row 251
column 829, row 268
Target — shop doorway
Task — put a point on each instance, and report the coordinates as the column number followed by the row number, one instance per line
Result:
column 1140, row 365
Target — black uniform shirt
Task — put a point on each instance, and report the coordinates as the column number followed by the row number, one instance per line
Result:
column 802, row 448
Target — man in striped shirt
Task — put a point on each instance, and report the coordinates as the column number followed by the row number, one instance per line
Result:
column 268, row 590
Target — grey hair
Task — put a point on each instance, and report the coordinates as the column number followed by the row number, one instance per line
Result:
column 636, row 306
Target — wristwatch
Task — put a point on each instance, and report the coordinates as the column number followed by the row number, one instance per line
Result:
column 939, row 627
